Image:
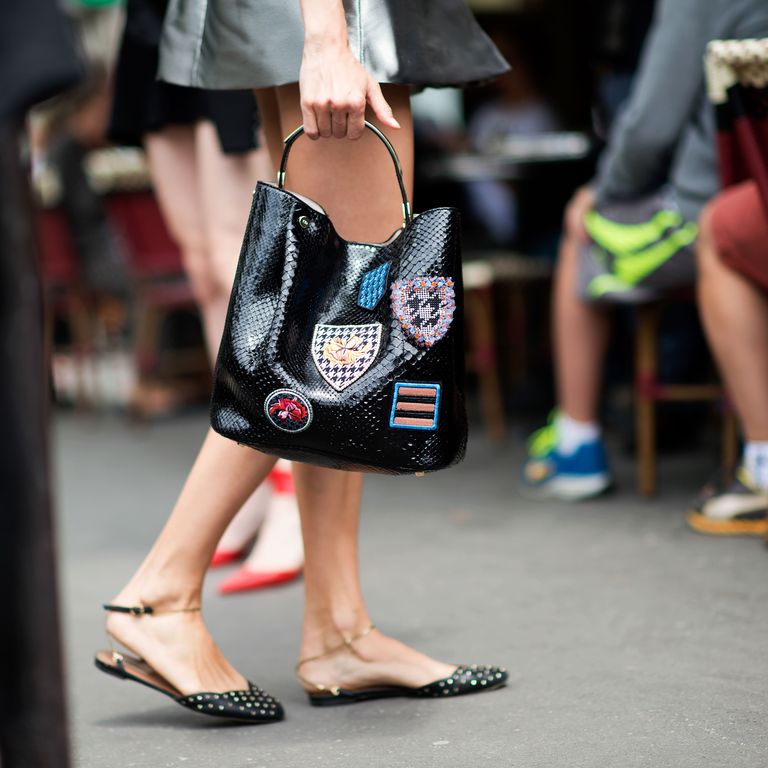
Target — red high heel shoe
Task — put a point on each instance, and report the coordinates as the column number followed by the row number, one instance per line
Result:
column 278, row 556
column 226, row 556
column 245, row 579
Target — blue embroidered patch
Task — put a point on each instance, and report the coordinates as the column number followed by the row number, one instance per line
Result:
column 415, row 406
column 372, row 286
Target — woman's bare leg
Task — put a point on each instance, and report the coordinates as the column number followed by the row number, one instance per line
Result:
column 172, row 156
column 226, row 184
column 178, row 646
column 205, row 198
column 342, row 176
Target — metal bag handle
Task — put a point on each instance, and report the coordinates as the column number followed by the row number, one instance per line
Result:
column 288, row 142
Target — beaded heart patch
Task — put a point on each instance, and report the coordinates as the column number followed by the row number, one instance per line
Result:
column 343, row 353
column 424, row 307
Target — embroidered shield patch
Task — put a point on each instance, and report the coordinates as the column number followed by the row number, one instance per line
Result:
column 424, row 307
column 288, row 410
column 343, row 353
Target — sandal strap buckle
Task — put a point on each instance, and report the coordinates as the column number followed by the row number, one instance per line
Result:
column 135, row 610
column 146, row 610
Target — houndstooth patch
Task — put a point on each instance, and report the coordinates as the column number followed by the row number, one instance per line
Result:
column 424, row 307
column 343, row 353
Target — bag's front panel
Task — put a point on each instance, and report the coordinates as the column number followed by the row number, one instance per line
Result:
column 343, row 379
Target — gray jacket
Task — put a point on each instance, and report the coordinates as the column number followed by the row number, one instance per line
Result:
column 666, row 131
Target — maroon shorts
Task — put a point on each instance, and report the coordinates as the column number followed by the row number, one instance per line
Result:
column 740, row 231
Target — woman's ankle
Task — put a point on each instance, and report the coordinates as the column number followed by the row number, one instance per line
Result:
column 160, row 593
column 325, row 632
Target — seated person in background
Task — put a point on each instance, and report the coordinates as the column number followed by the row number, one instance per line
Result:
column 733, row 302
column 630, row 234
column 518, row 109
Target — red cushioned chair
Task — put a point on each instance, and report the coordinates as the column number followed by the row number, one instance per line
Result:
column 161, row 285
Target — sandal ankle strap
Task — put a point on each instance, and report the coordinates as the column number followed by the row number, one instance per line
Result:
column 347, row 644
column 142, row 610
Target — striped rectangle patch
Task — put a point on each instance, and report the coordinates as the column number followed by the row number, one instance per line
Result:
column 415, row 406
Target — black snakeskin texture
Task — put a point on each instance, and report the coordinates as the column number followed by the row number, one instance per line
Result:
column 291, row 277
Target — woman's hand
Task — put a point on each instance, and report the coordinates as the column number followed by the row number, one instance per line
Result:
column 334, row 86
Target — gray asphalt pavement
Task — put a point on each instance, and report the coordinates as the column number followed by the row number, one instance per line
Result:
column 631, row 641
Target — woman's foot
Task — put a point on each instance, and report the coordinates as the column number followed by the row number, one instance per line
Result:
column 369, row 660
column 278, row 555
column 176, row 645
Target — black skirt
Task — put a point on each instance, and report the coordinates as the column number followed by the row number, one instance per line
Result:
column 142, row 104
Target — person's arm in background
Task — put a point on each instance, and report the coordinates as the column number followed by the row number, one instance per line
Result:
column 664, row 97
column 335, row 87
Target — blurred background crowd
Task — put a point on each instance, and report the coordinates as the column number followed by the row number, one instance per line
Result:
column 581, row 175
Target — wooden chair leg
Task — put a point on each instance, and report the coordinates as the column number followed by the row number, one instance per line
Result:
column 517, row 333
column 483, row 348
column 147, row 340
column 646, row 379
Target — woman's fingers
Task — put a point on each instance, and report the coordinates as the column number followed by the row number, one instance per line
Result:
column 379, row 104
column 344, row 117
column 323, row 118
column 356, row 118
column 339, row 124
column 310, row 124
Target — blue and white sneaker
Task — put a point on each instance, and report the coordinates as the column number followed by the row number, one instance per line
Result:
column 582, row 474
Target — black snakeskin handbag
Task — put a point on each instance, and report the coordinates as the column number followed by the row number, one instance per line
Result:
column 345, row 355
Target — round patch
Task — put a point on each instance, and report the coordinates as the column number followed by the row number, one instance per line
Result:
column 288, row 410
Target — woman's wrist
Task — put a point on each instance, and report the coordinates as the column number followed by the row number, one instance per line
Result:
column 325, row 25
column 318, row 42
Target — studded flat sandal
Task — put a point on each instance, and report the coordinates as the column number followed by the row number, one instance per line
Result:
column 464, row 680
column 251, row 706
